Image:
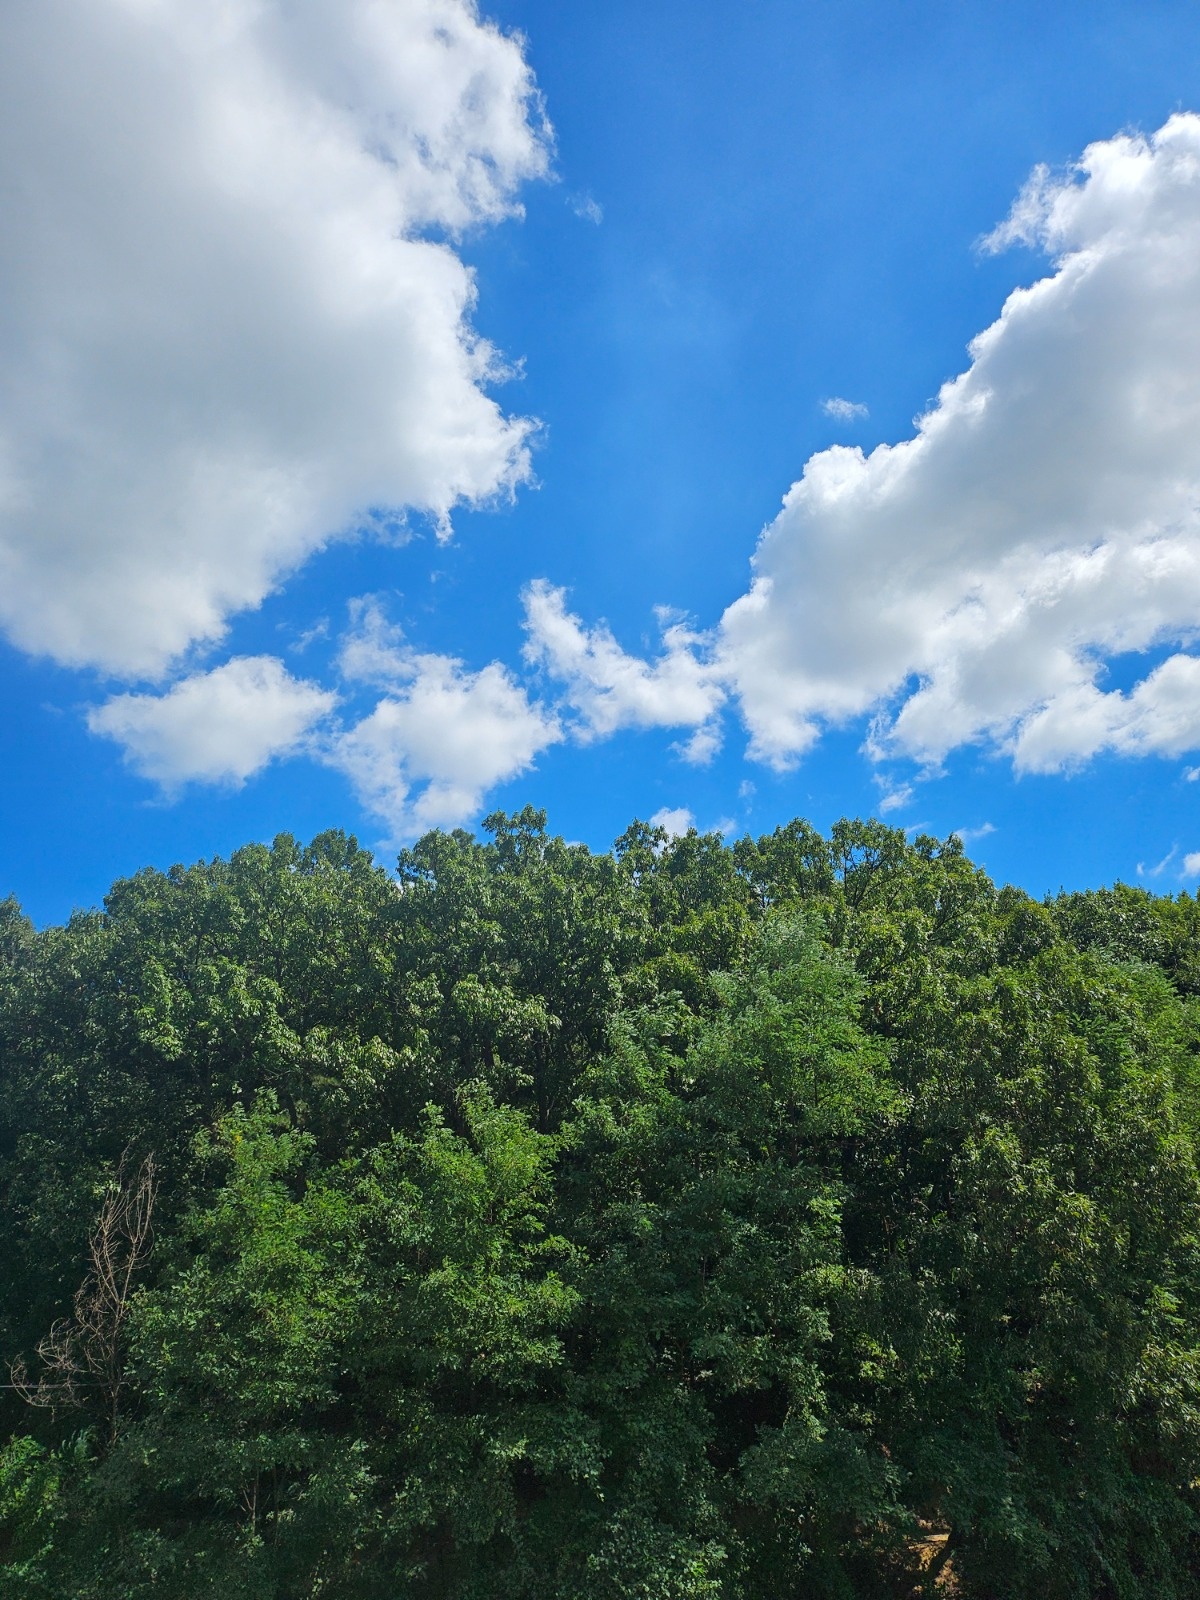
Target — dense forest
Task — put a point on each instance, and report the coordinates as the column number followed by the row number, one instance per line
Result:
column 798, row 1217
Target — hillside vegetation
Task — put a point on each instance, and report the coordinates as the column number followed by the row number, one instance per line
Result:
column 805, row 1217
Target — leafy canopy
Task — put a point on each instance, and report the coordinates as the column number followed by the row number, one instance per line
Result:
column 799, row 1217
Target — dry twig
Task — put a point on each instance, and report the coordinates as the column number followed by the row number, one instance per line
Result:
column 82, row 1357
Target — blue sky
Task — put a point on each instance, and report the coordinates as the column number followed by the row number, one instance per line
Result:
column 243, row 390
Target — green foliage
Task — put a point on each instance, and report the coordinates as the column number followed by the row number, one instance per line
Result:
column 30, row 1516
column 801, row 1217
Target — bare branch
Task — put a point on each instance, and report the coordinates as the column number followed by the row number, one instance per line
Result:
column 82, row 1357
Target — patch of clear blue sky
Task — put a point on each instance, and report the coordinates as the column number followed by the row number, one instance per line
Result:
column 790, row 193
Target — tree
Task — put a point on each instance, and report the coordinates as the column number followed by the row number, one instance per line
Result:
column 802, row 1217
column 82, row 1358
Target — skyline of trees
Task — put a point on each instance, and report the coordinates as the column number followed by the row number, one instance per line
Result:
column 802, row 1216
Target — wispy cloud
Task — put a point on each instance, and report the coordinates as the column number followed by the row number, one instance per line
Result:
column 587, row 209
column 892, row 799
column 1160, row 867
column 970, row 835
column 844, row 410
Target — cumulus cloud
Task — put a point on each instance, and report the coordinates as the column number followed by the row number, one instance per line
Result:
column 610, row 689
column 844, row 410
column 970, row 583
column 440, row 737
column 1160, row 715
column 1191, row 864
column 231, row 324
column 673, row 820
column 215, row 727
column 676, row 821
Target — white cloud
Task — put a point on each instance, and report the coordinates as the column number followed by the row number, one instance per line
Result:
column 218, row 726
column 586, row 209
column 373, row 650
column 844, row 410
column 226, row 335
column 892, row 799
column 611, row 689
column 969, row 583
column 319, row 630
column 1191, row 864
column 673, row 820
column 969, row 835
column 703, row 745
column 1160, row 715
column 441, row 736
column 676, row 821
column 1156, row 871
